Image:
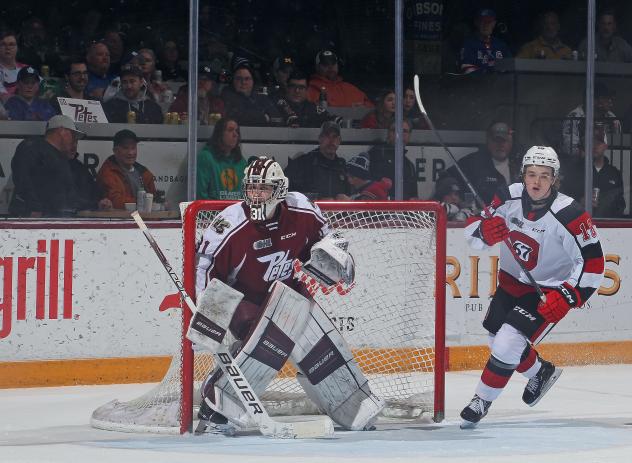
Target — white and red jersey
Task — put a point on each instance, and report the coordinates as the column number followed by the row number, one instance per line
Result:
column 556, row 244
column 250, row 256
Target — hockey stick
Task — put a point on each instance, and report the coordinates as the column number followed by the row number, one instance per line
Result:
column 319, row 427
column 486, row 213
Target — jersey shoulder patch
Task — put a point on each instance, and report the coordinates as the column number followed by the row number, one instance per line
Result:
column 227, row 219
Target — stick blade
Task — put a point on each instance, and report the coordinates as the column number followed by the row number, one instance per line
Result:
column 303, row 427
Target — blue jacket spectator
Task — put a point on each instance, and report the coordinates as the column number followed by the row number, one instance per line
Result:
column 25, row 104
column 480, row 53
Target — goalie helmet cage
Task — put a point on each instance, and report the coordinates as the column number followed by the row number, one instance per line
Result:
column 393, row 318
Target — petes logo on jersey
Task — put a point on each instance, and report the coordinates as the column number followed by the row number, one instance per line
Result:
column 279, row 266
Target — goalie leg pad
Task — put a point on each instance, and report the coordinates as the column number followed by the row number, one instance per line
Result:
column 330, row 375
column 215, row 308
column 266, row 351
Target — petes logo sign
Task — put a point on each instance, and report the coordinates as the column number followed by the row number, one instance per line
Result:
column 86, row 111
column 279, row 266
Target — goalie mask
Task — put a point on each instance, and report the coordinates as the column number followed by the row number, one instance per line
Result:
column 541, row 156
column 264, row 186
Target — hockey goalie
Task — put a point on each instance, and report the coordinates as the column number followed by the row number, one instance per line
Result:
column 245, row 282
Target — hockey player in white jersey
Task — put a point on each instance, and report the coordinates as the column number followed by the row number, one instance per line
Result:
column 557, row 242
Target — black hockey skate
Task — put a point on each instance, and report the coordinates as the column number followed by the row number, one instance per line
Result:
column 474, row 412
column 212, row 422
column 540, row 383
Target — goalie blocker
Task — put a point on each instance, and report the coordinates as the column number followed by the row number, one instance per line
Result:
column 291, row 327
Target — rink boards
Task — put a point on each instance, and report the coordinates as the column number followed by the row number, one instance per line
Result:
column 80, row 305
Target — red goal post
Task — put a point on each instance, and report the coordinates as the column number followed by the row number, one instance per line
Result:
column 403, row 223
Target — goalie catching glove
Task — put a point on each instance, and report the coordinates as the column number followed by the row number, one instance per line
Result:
column 558, row 302
column 330, row 262
column 493, row 230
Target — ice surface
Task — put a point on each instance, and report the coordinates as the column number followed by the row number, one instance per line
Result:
column 586, row 417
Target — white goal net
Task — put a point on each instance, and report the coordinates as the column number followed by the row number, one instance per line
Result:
column 393, row 318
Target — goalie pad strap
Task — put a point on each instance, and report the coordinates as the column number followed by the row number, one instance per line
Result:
column 330, row 375
column 266, row 351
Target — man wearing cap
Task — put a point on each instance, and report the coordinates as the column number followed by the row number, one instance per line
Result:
column 43, row 180
column 320, row 173
column 339, row 93
column 382, row 157
column 282, row 67
column 25, row 105
column 121, row 177
column 490, row 167
column 449, row 194
column 208, row 102
column 132, row 97
column 362, row 187
column 480, row 52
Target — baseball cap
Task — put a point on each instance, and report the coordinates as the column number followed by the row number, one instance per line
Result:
column 27, row 72
column 63, row 122
column 284, row 63
column 446, row 186
column 130, row 69
column 133, row 57
column 358, row 166
column 486, row 13
column 500, row 130
column 326, row 57
column 205, row 72
column 329, row 126
column 124, row 135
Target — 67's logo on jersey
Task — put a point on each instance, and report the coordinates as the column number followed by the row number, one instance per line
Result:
column 526, row 249
column 279, row 266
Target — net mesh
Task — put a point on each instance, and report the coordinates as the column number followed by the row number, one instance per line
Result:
column 387, row 317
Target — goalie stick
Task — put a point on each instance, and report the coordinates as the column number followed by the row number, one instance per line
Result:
column 318, row 427
column 486, row 212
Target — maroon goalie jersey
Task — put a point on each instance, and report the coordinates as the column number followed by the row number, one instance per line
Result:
column 250, row 256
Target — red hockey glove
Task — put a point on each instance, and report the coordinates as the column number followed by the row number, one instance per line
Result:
column 493, row 230
column 558, row 302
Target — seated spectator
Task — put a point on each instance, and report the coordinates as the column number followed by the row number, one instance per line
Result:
column 608, row 45
column 480, row 52
column 382, row 162
column 571, row 127
column 113, row 39
column 132, row 98
column 362, row 187
column 320, row 173
column 339, row 93
column 132, row 58
column 208, row 102
column 449, row 194
column 9, row 67
column 384, row 113
column 548, row 44
column 120, row 176
column 169, row 63
column 492, row 166
column 282, row 68
column 296, row 110
column 36, row 47
column 76, row 75
column 159, row 91
column 42, row 176
column 26, row 105
column 242, row 104
column 411, row 110
column 220, row 164
column 607, row 180
column 100, row 76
